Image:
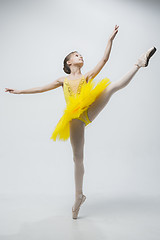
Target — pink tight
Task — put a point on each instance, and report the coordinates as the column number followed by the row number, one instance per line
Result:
column 77, row 127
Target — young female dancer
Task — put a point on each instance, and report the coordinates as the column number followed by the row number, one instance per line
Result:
column 84, row 103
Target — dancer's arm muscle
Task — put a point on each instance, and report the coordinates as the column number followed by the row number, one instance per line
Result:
column 93, row 73
column 57, row 83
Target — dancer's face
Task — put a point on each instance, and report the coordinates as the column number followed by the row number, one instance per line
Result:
column 76, row 59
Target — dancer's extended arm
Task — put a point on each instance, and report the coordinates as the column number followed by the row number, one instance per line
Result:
column 50, row 86
column 100, row 65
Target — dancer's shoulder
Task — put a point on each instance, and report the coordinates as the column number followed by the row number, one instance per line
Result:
column 88, row 76
column 61, row 80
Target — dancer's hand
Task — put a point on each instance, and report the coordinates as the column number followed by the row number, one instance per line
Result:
column 114, row 33
column 10, row 90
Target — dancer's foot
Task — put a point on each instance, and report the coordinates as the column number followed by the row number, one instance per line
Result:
column 76, row 207
column 143, row 60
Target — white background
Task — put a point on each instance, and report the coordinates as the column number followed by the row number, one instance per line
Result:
column 122, row 145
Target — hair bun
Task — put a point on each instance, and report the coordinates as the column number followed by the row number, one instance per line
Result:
column 66, row 68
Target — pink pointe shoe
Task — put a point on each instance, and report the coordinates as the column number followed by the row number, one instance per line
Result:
column 143, row 60
column 76, row 211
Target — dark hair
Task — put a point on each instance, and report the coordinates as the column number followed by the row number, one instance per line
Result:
column 66, row 67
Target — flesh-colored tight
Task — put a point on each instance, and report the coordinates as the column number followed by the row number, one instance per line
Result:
column 77, row 128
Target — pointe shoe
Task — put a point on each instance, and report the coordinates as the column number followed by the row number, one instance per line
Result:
column 143, row 60
column 76, row 211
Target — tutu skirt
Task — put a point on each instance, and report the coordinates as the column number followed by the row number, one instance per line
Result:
column 76, row 105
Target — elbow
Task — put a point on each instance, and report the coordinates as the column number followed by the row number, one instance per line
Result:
column 40, row 90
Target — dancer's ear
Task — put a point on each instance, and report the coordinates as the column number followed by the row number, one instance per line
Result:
column 69, row 63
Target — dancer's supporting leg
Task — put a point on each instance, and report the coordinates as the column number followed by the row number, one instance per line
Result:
column 77, row 129
column 104, row 97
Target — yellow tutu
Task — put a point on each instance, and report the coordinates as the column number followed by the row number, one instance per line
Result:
column 76, row 104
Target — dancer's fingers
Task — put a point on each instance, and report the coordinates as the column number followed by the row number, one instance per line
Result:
column 8, row 89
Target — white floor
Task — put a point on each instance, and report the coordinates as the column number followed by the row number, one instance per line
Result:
column 25, row 217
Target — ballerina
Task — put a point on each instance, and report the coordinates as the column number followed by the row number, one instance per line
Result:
column 84, row 102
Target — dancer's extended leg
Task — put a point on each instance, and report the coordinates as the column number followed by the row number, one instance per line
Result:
column 77, row 128
column 102, row 100
column 104, row 97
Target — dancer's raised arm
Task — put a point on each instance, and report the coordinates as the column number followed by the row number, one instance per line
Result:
column 50, row 86
column 100, row 65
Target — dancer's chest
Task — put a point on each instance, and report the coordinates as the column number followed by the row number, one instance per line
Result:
column 73, row 86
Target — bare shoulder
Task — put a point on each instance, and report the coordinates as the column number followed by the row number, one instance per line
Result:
column 88, row 76
column 61, row 80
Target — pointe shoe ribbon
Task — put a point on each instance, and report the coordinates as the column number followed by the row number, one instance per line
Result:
column 143, row 60
column 76, row 211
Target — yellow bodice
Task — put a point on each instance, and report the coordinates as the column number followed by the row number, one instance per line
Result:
column 79, row 95
column 72, row 87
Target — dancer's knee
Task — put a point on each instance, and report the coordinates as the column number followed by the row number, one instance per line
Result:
column 78, row 157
